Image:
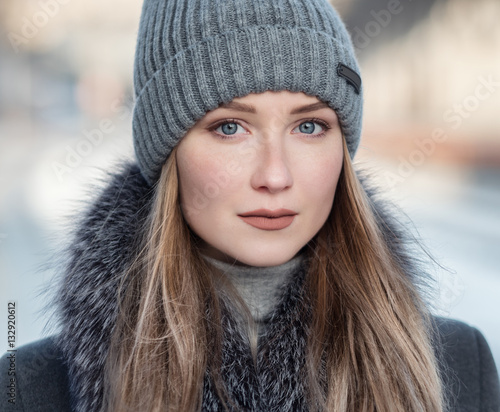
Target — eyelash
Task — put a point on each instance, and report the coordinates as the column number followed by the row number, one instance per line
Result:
column 322, row 123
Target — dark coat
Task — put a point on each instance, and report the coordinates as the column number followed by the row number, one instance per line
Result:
column 64, row 372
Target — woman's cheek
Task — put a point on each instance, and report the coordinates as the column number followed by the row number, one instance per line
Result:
column 322, row 176
column 208, row 181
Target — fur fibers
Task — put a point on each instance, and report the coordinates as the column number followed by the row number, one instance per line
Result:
column 104, row 240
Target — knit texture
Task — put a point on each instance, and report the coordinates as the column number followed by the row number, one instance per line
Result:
column 259, row 287
column 193, row 55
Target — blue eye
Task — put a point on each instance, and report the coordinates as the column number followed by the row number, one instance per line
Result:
column 309, row 127
column 228, row 128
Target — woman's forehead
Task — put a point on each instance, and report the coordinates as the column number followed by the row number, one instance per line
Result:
column 286, row 101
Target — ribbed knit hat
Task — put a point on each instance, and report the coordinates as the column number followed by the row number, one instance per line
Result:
column 193, row 55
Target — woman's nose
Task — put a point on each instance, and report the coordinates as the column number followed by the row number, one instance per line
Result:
column 272, row 168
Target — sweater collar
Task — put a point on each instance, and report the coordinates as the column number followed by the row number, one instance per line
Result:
column 260, row 287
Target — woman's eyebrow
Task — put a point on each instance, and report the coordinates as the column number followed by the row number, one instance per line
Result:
column 242, row 107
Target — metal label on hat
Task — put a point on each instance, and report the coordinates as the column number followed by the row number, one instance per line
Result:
column 350, row 75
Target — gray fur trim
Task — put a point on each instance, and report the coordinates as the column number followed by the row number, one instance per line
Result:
column 103, row 244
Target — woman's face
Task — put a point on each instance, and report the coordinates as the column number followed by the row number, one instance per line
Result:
column 270, row 152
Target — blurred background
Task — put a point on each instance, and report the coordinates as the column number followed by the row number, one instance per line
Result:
column 431, row 72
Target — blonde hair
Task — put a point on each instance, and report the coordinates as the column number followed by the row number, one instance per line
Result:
column 370, row 325
column 369, row 331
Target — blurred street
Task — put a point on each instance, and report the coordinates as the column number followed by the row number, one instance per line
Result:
column 456, row 214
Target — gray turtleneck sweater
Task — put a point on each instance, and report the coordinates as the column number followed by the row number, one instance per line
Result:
column 259, row 287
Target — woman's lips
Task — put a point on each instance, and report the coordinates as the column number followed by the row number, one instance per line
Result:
column 268, row 223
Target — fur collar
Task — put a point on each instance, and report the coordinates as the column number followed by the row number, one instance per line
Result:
column 103, row 241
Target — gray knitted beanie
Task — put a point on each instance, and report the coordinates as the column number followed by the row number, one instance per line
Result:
column 193, row 55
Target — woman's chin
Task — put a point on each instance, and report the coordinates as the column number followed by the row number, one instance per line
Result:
column 260, row 259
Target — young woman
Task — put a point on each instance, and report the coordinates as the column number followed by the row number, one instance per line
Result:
column 242, row 263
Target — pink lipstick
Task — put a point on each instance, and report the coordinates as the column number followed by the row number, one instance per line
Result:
column 269, row 219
